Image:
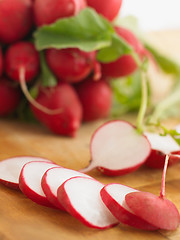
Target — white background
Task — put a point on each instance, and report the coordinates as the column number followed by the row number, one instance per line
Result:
column 153, row 14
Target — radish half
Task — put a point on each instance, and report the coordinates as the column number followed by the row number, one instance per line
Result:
column 52, row 180
column 30, row 181
column 162, row 145
column 80, row 197
column 117, row 148
column 10, row 169
column 113, row 195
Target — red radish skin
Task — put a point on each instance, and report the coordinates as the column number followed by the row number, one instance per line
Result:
column 108, row 8
column 64, row 97
column 117, row 148
column 16, row 20
column 10, row 96
column 52, row 180
column 10, row 169
column 80, row 197
column 125, row 65
column 30, row 181
column 22, row 55
column 1, row 62
column 48, row 11
column 113, row 196
column 96, row 99
column 70, row 65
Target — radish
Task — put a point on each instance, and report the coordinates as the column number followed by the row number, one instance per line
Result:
column 71, row 65
column 113, row 195
column 162, row 145
column 108, row 8
column 96, row 99
column 16, row 19
column 10, row 96
column 63, row 97
column 157, row 210
column 125, row 65
column 10, row 169
column 117, row 148
column 1, row 62
column 53, row 178
column 48, row 11
column 30, row 181
column 80, row 196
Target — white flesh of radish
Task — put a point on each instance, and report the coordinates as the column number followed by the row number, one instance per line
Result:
column 165, row 144
column 117, row 145
column 86, row 203
column 10, row 168
column 53, row 178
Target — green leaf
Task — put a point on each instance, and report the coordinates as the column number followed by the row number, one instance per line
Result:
column 87, row 31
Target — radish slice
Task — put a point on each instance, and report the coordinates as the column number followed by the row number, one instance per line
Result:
column 162, row 145
column 10, row 169
column 159, row 212
column 52, row 180
column 80, row 197
column 30, row 181
column 117, row 148
column 113, row 195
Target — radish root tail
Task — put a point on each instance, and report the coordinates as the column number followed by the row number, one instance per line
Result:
column 162, row 193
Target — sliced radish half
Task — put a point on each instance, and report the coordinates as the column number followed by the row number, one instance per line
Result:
column 113, row 195
column 10, row 169
column 52, row 180
column 30, row 181
column 117, row 148
column 162, row 145
column 80, row 197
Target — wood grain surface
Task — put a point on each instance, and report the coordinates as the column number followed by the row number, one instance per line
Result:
column 21, row 219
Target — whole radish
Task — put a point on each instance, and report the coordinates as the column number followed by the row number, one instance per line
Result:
column 48, row 11
column 61, row 97
column 10, row 96
column 21, row 55
column 108, row 8
column 96, row 99
column 70, row 65
column 125, row 65
column 16, row 19
column 1, row 62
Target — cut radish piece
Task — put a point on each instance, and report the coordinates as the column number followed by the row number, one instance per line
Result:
column 113, row 195
column 10, row 169
column 162, row 145
column 158, row 211
column 52, row 180
column 80, row 197
column 117, row 148
column 30, row 181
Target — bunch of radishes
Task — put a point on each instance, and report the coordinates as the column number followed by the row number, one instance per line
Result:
column 81, row 90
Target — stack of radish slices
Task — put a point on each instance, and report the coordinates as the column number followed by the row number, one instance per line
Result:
column 88, row 200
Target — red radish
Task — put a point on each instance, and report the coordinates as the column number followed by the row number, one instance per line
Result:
column 108, row 8
column 53, row 178
column 96, row 99
column 80, row 196
column 16, row 19
column 10, row 96
column 162, row 145
column 71, row 65
column 22, row 55
column 125, row 65
column 10, row 169
column 157, row 210
column 1, row 62
column 30, row 181
column 48, row 11
column 117, row 149
column 64, row 97
column 113, row 196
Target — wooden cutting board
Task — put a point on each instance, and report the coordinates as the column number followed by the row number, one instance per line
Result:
column 21, row 219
